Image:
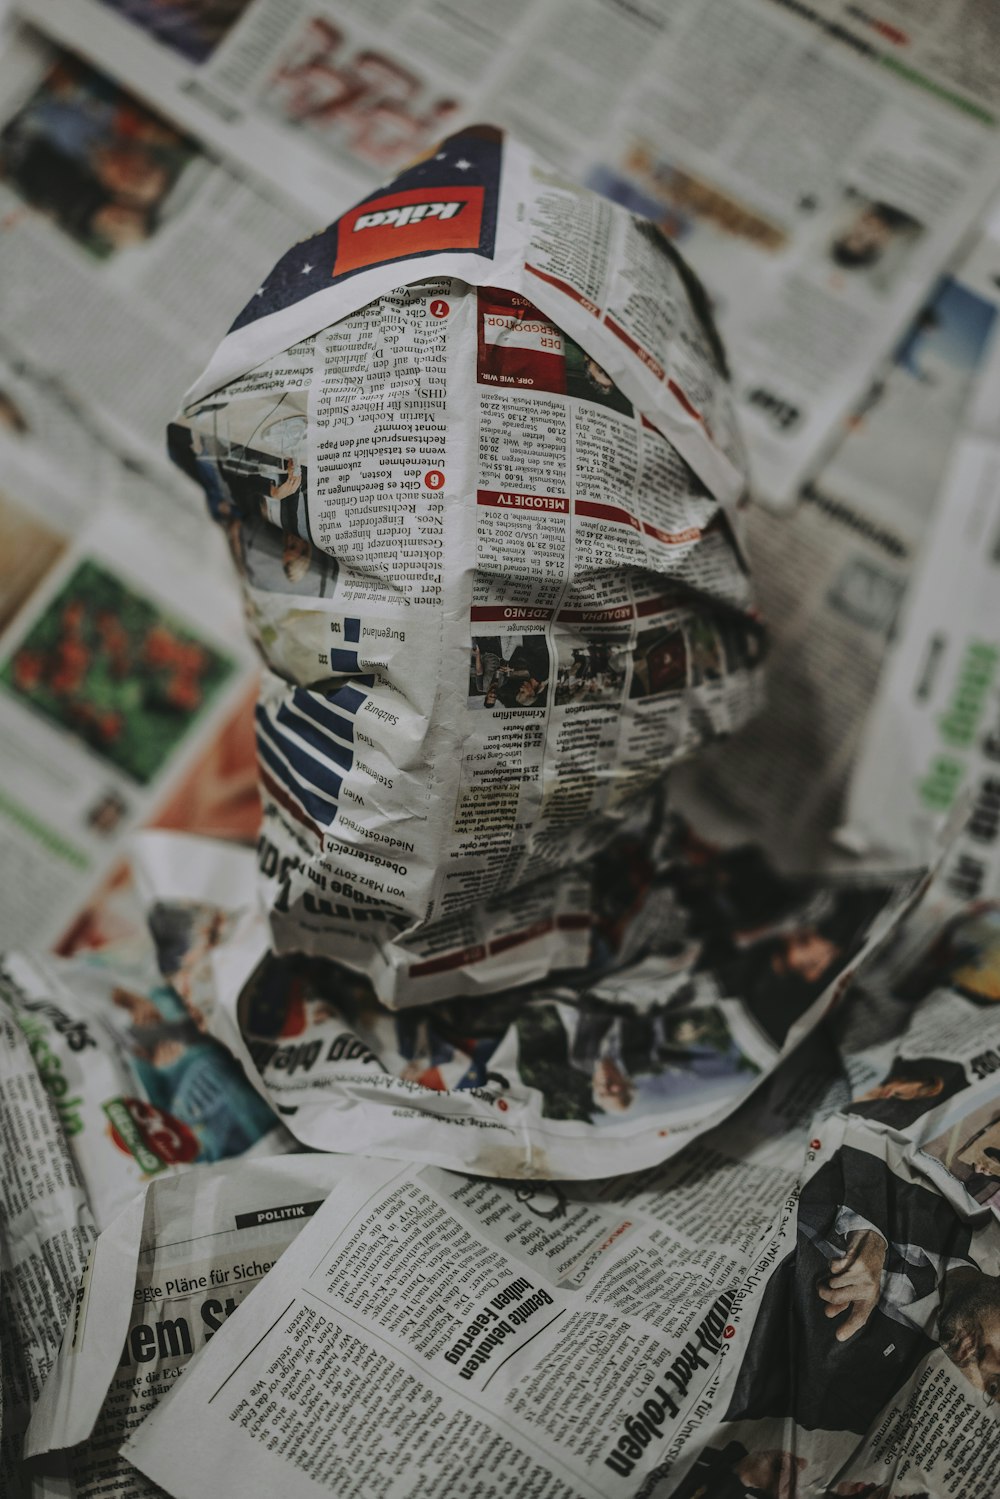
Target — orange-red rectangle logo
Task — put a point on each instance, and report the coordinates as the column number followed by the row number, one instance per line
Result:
column 417, row 221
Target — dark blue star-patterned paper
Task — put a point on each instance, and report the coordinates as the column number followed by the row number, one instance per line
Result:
column 470, row 158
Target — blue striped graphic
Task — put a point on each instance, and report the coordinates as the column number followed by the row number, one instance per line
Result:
column 298, row 742
column 317, row 737
column 317, row 708
column 315, row 785
column 319, row 809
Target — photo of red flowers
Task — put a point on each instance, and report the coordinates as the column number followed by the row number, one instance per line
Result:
column 116, row 670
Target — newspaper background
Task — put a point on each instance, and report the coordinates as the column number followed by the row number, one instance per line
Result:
column 833, row 579
column 941, row 693
column 904, row 1052
column 120, row 232
column 818, row 205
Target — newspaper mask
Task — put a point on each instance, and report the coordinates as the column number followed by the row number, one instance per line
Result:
column 474, row 452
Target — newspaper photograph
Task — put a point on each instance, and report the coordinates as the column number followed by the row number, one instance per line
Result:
column 869, row 1359
column 110, row 678
column 140, row 1089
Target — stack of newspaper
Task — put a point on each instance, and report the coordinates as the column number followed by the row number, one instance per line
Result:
column 592, row 1064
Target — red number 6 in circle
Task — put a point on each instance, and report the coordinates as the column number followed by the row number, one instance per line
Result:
column 434, row 478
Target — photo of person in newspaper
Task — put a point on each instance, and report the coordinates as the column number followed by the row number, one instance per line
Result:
column 778, row 973
column 194, row 28
column 873, row 240
column 736, row 1471
column 249, row 482
column 968, row 1146
column 185, row 934
column 912, row 1087
column 964, row 957
column 508, row 671
column 191, row 1083
column 645, row 1062
column 368, row 103
column 519, row 346
column 91, row 158
column 110, row 666
column 591, row 670
column 259, row 497
column 882, row 1274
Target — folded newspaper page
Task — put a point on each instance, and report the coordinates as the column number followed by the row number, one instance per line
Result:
column 163, row 1279
column 832, row 576
column 819, row 162
column 933, row 736
column 619, row 1071
column 469, row 1336
column 46, row 1231
column 485, row 519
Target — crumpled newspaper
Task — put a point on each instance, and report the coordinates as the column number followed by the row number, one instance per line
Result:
column 474, row 451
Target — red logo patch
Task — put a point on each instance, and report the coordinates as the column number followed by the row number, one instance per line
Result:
column 168, row 1137
column 407, row 223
